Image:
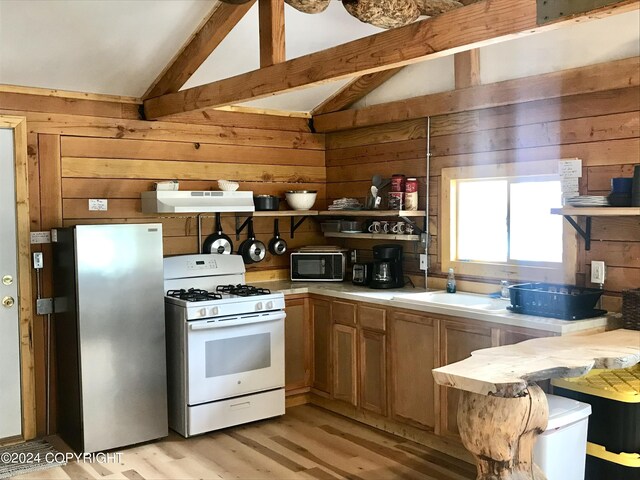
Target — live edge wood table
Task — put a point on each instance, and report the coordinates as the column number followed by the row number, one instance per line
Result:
column 502, row 410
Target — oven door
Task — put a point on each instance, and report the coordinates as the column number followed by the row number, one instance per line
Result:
column 234, row 356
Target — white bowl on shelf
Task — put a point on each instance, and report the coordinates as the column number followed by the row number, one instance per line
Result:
column 301, row 199
column 227, row 186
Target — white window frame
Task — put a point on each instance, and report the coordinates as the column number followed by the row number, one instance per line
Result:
column 514, row 271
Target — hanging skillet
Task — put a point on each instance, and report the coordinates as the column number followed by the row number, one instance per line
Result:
column 277, row 245
column 252, row 250
column 217, row 242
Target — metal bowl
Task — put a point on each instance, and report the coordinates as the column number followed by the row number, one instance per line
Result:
column 301, row 199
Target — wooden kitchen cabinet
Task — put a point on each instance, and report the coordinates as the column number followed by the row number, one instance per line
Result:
column 345, row 368
column 414, row 353
column 297, row 344
column 322, row 332
column 457, row 341
column 372, row 344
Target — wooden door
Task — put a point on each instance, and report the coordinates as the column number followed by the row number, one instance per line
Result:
column 10, row 408
column 321, row 320
column 345, row 366
column 17, row 382
column 413, row 350
column 297, row 343
column 457, row 342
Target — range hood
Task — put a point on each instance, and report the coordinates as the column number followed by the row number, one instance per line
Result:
column 182, row 201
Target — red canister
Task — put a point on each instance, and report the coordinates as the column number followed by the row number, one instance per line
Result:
column 411, row 185
column 397, row 182
column 411, row 194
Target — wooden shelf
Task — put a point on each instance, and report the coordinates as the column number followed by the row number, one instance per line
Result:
column 597, row 211
column 374, row 236
column 285, row 213
column 371, row 213
column 588, row 212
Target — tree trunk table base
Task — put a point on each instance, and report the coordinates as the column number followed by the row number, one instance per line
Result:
column 500, row 432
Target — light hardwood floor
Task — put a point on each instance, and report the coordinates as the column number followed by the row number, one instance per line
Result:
column 307, row 443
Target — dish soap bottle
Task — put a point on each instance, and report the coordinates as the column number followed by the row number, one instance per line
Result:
column 451, row 282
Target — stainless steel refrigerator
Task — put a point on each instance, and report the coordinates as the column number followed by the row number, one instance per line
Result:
column 110, row 335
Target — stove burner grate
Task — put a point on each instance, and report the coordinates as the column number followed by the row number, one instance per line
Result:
column 243, row 290
column 194, row 295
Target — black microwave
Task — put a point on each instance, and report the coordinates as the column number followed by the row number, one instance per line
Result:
column 311, row 266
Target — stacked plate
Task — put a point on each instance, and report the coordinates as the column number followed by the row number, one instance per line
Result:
column 587, row 201
column 345, row 204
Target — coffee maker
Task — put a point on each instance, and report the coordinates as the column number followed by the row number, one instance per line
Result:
column 387, row 267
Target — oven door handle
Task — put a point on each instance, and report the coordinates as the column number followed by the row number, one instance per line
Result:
column 272, row 317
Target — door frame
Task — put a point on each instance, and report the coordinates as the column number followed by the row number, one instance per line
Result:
column 25, row 314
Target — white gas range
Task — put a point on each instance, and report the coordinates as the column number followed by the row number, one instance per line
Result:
column 225, row 345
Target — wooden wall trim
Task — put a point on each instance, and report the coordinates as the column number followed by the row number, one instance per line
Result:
column 18, row 124
column 48, row 92
column 473, row 26
column 592, row 78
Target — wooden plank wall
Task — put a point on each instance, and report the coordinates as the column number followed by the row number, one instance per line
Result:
column 600, row 128
column 81, row 149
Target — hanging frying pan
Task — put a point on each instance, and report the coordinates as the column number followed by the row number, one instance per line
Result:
column 252, row 250
column 217, row 242
column 277, row 245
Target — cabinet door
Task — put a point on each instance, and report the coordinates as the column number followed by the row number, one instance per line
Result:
column 510, row 336
column 413, row 350
column 345, row 363
column 373, row 375
column 343, row 312
column 321, row 318
column 297, row 343
column 458, row 341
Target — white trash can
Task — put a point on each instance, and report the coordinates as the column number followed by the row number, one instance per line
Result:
column 562, row 449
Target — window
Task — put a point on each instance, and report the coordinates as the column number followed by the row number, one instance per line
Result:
column 496, row 222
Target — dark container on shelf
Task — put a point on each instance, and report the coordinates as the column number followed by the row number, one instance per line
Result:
column 548, row 299
column 631, row 309
column 266, row 202
column 635, row 188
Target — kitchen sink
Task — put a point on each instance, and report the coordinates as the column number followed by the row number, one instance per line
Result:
column 466, row 301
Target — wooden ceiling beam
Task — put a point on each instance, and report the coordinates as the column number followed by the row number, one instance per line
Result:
column 467, row 68
column 272, row 37
column 592, row 78
column 208, row 36
column 354, row 91
column 473, row 26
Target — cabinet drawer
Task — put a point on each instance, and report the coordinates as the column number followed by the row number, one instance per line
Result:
column 372, row 318
column 343, row 312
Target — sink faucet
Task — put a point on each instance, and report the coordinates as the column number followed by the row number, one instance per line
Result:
column 504, row 289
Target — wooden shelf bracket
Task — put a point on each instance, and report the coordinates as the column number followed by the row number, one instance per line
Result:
column 295, row 225
column 585, row 234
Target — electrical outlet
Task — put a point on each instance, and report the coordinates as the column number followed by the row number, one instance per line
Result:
column 598, row 272
column 424, row 261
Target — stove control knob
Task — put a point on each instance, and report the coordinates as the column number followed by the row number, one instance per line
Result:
column 214, row 311
column 202, row 312
column 259, row 306
column 269, row 305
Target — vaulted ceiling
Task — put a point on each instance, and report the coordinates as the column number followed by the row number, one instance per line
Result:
column 122, row 47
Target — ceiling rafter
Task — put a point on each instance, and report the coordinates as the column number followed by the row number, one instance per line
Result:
column 354, row 91
column 272, row 36
column 482, row 23
column 208, row 36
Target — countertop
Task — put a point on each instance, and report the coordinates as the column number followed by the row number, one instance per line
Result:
column 394, row 298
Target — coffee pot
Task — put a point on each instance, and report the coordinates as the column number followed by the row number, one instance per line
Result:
column 387, row 267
